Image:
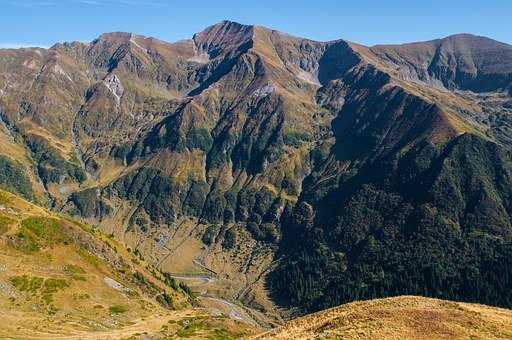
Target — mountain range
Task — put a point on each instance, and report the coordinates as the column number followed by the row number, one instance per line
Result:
column 295, row 175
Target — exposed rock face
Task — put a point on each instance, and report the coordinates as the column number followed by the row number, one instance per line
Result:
column 114, row 85
column 288, row 144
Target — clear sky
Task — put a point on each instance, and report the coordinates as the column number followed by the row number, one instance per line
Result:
column 45, row 22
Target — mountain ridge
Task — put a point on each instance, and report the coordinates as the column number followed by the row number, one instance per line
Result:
column 241, row 149
column 229, row 22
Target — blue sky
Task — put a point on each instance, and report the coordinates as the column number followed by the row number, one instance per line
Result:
column 45, row 22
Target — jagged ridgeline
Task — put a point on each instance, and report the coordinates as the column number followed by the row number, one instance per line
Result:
column 313, row 173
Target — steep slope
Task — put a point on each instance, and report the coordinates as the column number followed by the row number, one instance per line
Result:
column 404, row 317
column 59, row 278
column 462, row 61
column 37, row 102
column 381, row 236
column 245, row 151
column 420, row 183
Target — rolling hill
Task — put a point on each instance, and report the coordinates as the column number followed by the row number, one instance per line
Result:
column 404, row 317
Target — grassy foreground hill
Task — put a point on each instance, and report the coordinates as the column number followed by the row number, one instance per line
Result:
column 63, row 279
column 404, row 317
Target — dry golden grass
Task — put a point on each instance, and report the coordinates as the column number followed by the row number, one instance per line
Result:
column 11, row 148
column 82, row 299
column 404, row 317
column 64, row 147
column 59, row 289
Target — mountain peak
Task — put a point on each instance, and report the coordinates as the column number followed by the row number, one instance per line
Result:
column 229, row 23
column 273, row 153
column 114, row 36
column 470, row 37
column 225, row 27
column 472, row 41
column 222, row 35
column 462, row 36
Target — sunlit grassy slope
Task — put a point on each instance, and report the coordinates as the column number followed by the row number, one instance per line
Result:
column 404, row 317
column 62, row 279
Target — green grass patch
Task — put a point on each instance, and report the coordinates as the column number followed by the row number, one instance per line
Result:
column 91, row 259
column 25, row 283
column 222, row 334
column 117, row 309
column 80, row 296
column 52, row 285
column 190, row 329
column 191, row 326
column 52, row 310
column 4, row 199
column 75, row 272
column 39, row 232
column 5, row 222
column 73, row 269
column 44, row 288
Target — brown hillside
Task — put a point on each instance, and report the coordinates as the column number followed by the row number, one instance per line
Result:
column 404, row 317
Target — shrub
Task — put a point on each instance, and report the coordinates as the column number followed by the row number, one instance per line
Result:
column 170, row 281
column 165, row 300
column 186, row 289
column 117, row 309
column 199, row 139
column 230, row 237
column 270, row 232
column 209, row 235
